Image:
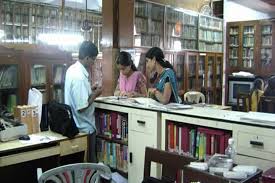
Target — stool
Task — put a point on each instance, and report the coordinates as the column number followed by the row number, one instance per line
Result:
column 269, row 176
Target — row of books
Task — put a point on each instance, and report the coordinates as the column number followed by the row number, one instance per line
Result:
column 203, row 46
column 267, row 29
column 267, row 40
column 112, row 124
column 38, row 75
column 248, row 41
column 248, row 30
column 233, row 30
column 157, row 12
column 248, row 63
column 233, row 53
column 197, row 142
column 141, row 25
column 176, row 43
column 59, row 74
column 155, row 27
column 188, row 32
column 141, row 9
column 147, row 40
column 266, row 53
column 248, row 53
column 234, row 41
column 112, row 154
column 8, row 76
column 211, row 23
column 58, row 95
column 177, row 16
column 211, row 36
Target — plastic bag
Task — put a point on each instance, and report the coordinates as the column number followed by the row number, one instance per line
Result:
column 35, row 98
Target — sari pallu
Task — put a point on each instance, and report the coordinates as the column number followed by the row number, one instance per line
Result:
column 172, row 79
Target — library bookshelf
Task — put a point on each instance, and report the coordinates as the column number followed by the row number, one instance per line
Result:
column 32, row 66
column 129, row 130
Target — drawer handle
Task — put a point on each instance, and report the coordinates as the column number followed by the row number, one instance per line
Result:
column 256, row 143
column 131, row 157
column 141, row 122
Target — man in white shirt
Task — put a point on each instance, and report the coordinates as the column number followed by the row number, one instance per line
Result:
column 80, row 95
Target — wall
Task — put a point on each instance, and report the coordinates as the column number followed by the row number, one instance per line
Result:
column 233, row 11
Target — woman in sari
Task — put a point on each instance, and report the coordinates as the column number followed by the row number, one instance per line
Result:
column 165, row 88
column 131, row 82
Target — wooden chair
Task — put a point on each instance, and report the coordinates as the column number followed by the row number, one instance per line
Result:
column 194, row 97
column 245, row 100
column 171, row 163
column 267, row 104
column 76, row 173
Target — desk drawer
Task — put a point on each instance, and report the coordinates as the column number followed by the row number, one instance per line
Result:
column 143, row 123
column 29, row 156
column 73, row 146
column 255, row 145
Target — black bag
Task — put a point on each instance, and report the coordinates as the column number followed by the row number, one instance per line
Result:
column 61, row 120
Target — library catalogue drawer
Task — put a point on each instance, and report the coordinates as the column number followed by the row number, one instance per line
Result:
column 256, row 145
column 142, row 123
column 73, row 146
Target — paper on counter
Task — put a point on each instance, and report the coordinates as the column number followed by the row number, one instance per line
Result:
column 36, row 139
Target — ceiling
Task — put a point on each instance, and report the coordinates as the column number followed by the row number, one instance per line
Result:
column 267, row 6
column 80, row 4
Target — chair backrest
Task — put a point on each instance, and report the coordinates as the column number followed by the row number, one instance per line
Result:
column 267, row 104
column 76, row 173
column 171, row 163
column 194, row 97
column 245, row 100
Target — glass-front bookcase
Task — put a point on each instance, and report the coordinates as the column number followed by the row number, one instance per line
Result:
column 148, row 26
column 23, row 22
column 181, row 29
column 210, row 34
column 9, row 88
column 248, row 46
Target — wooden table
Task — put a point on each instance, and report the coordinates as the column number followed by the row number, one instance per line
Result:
column 46, row 150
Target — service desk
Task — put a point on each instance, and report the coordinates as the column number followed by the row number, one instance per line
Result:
column 47, row 151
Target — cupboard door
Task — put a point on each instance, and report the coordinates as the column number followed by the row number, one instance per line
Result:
column 201, row 73
column 9, row 86
column 210, row 78
column 218, row 79
column 137, row 143
column 191, row 71
column 265, row 54
column 148, row 28
column 248, row 45
column 38, row 80
column 233, row 47
column 57, row 88
column 179, row 68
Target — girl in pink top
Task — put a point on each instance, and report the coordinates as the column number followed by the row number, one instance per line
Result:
column 131, row 82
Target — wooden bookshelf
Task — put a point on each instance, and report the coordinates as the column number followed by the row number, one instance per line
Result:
column 24, row 21
column 195, row 141
column 33, row 69
column 112, row 139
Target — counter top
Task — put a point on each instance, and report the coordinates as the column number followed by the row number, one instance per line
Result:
column 205, row 112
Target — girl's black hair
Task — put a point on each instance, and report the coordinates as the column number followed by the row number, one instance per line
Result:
column 258, row 84
column 159, row 56
column 124, row 58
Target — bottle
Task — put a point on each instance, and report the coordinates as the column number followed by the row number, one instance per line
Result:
column 230, row 150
